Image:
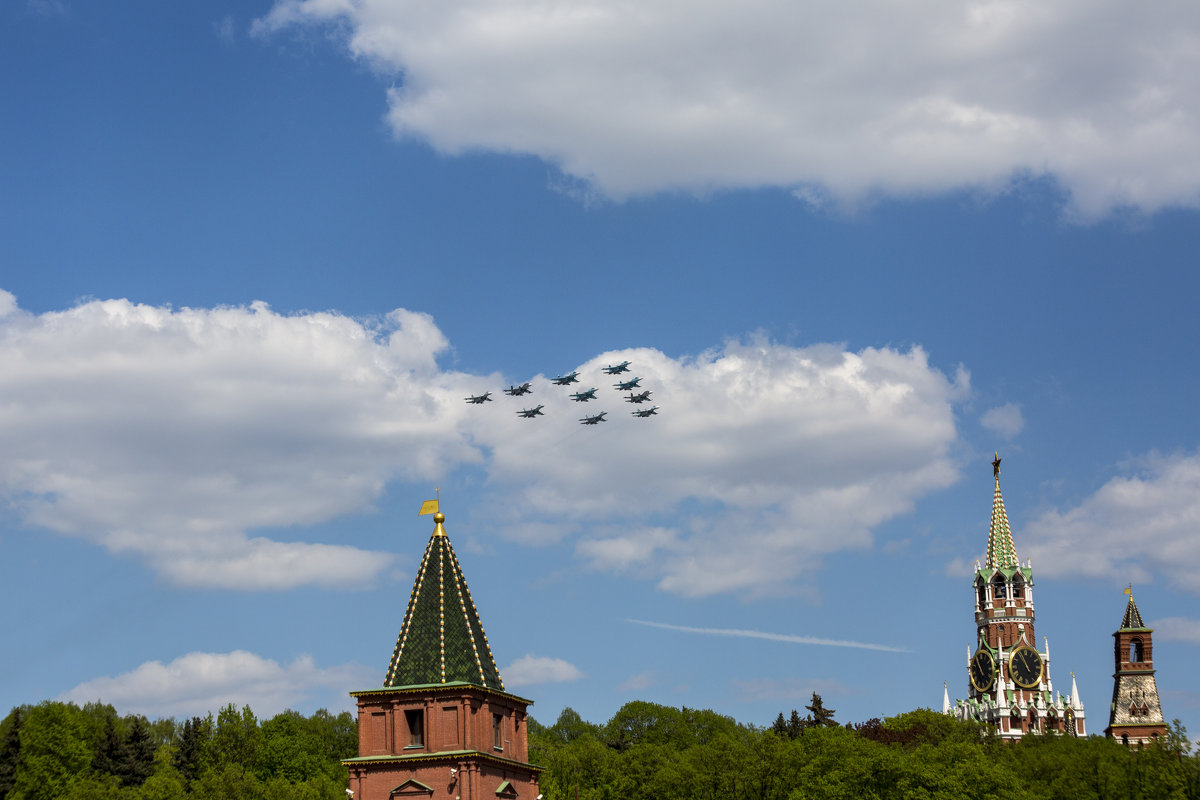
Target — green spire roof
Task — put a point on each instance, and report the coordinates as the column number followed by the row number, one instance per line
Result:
column 1133, row 617
column 442, row 640
column 1001, row 552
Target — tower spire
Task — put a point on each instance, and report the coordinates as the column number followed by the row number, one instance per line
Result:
column 1001, row 552
column 442, row 639
column 1133, row 617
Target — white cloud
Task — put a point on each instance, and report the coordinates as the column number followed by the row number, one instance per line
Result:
column 197, row 683
column 843, row 99
column 638, row 682
column 738, row 633
column 46, row 8
column 530, row 670
column 1132, row 529
column 791, row 453
column 224, row 29
column 167, row 434
column 1177, row 629
column 171, row 435
column 1005, row 420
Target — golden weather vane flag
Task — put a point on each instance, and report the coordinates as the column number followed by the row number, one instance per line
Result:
column 430, row 506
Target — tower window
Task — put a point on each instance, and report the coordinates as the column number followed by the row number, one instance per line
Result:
column 497, row 732
column 416, row 727
column 999, row 590
column 1135, row 650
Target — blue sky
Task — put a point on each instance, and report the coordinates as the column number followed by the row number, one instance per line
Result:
column 253, row 257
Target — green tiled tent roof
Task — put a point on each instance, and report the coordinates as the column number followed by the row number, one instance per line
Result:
column 1001, row 552
column 442, row 639
column 1133, row 617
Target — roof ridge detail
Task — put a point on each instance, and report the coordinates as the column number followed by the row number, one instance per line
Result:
column 1001, row 551
column 441, row 639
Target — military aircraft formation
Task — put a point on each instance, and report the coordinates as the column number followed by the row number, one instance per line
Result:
column 579, row 397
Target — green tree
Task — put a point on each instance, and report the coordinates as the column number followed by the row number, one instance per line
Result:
column 188, row 757
column 819, row 714
column 337, row 735
column 55, row 750
column 288, row 749
column 109, row 749
column 165, row 782
column 10, row 750
column 236, row 738
column 137, row 754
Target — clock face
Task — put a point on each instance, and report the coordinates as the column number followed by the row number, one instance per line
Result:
column 983, row 670
column 1025, row 667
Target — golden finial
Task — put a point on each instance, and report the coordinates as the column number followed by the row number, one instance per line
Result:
column 996, row 466
column 1129, row 591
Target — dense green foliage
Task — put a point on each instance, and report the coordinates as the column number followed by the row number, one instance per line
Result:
column 660, row 753
column 61, row 751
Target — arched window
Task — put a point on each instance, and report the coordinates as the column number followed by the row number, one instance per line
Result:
column 1018, row 586
column 1125, row 739
column 1033, row 720
column 1135, row 650
column 998, row 588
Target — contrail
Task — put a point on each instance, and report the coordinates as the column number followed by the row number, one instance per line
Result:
column 774, row 637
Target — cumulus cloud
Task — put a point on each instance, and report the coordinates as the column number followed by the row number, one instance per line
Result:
column 197, row 683
column 168, row 434
column 1177, row 629
column 530, row 670
column 792, row 453
column 1134, row 528
column 842, row 100
column 175, row 435
column 1005, row 420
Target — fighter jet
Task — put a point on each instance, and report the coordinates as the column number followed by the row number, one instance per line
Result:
column 638, row 398
column 478, row 399
column 563, row 380
column 517, row 391
column 530, row 413
column 649, row 412
column 614, row 370
column 583, row 397
column 594, row 420
column 627, row 385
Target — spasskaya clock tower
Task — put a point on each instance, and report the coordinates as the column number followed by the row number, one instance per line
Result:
column 1008, row 677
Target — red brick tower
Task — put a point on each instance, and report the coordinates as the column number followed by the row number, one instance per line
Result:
column 1009, row 685
column 1136, row 717
column 442, row 727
